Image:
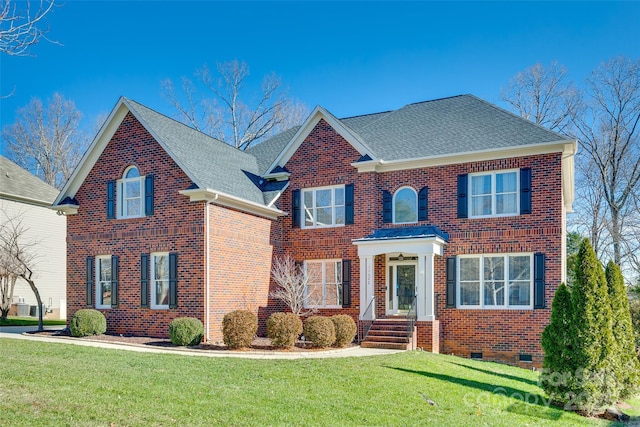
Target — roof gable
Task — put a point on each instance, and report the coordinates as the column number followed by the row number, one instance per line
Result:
column 212, row 165
column 305, row 129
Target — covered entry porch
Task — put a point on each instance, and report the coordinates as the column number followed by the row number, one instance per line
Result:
column 397, row 278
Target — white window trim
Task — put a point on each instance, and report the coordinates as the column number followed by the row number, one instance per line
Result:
column 303, row 210
column 324, row 283
column 152, row 280
column 98, row 285
column 493, row 193
column 393, row 205
column 121, row 194
column 506, row 305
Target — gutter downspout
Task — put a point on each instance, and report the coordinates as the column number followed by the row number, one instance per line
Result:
column 206, row 272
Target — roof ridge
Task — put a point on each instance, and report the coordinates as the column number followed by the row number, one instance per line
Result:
column 367, row 114
column 439, row 99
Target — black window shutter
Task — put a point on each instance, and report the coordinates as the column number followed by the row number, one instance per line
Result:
column 451, row 282
column 346, row 283
column 148, row 195
column 525, row 190
column 463, row 204
column 144, row 280
column 423, row 196
column 538, row 280
column 114, row 281
column 111, row 199
column 295, row 208
column 89, row 282
column 386, row 207
column 173, row 280
column 348, row 204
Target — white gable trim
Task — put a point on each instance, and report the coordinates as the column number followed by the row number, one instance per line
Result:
column 100, row 142
column 227, row 200
column 309, row 124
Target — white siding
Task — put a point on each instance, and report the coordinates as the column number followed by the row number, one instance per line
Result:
column 49, row 230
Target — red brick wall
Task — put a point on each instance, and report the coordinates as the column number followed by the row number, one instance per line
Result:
column 240, row 264
column 176, row 226
column 324, row 159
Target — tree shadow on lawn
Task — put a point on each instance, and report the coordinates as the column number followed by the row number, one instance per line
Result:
column 507, row 398
column 498, row 374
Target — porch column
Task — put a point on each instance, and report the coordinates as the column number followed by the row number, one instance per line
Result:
column 366, row 288
column 425, row 289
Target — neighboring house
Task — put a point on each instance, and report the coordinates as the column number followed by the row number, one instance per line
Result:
column 27, row 199
column 452, row 210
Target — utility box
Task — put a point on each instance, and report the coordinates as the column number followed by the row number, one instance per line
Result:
column 23, row 309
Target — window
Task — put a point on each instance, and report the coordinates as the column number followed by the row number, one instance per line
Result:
column 494, row 194
column 324, row 288
column 495, row 281
column 131, row 194
column 103, row 281
column 160, row 280
column 323, row 207
column 405, row 206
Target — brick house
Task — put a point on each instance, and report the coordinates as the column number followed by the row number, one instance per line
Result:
column 449, row 211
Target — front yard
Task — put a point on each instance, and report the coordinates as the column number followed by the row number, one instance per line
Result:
column 60, row 384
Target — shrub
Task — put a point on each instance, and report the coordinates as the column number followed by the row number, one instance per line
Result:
column 634, row 308
column 346, row 329
column 320, row 331
column 87, row 322
column 238, row 328
column 186, row 331
column 283, row 329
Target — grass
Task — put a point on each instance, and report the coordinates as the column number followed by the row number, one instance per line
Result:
column 30, row 321
column 63, row 384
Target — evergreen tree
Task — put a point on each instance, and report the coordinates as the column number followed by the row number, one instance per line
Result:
column 557, row 344
column 594, row 385
column 629, row 368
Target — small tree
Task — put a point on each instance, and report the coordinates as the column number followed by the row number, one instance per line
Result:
column 8, row 280
column 594, row 384
column 20, row 252
column 292, row 284
column 557, row 344
column 629, row 372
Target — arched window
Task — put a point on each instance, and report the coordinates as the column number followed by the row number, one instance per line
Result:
column 131, row 194
column 405, row 206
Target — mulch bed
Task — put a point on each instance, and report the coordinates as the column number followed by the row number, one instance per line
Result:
column 259, row 344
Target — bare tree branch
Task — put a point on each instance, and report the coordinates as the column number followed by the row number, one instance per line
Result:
column 228, row 116
column 20, row 25
column 47, row 141
column 292, row 287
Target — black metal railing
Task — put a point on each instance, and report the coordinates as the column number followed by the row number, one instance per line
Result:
column 412, row 316
column 366, row 320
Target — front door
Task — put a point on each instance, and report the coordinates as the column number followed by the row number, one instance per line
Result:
column 401, row 287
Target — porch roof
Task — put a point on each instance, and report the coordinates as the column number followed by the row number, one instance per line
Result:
column 419, row 232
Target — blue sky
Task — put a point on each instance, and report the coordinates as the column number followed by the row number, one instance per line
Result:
column 352, row 58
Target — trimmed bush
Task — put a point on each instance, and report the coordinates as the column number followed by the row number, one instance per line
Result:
column 320, row 331
column 87, row 322
column 283, row 329
column 186, row 331
column 346, row 329
column 238, row 328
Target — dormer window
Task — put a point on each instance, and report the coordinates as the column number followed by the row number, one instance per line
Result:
column 405, row 206
column 131, row 194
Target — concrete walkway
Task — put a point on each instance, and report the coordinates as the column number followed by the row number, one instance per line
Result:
column 16, row 332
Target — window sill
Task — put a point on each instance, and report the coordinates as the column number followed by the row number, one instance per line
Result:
column 494, row 216
column 321, row 227
column 494, row 308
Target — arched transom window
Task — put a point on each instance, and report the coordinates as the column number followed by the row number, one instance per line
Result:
column 131, row 194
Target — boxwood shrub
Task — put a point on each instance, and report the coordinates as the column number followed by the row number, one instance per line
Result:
column 346, row 329
column 320, row 331
column 238, row 328
column 87, row 321
column 283, row 329
column 186, row 331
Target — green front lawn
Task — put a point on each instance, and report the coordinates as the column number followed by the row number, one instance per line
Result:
column 30, row 321
column 61, row 384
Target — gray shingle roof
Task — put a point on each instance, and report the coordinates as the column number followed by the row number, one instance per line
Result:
column 447, row 126
column 267, row 151
column 16, row 182
column 211, row 163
